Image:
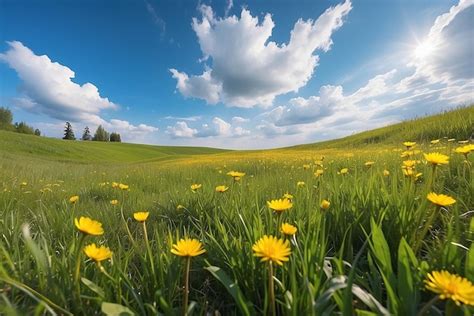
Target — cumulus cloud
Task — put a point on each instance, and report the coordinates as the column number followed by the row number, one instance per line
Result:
column 216, row 128
column 47, row 88
column 181, row 130
column 247, row 69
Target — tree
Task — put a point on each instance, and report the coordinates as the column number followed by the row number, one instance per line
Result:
column 101, row 135
column 115, row 137
column 37, row 132
column 23, row 128
column 68, row 132
column 87, row 134
column 6, row 119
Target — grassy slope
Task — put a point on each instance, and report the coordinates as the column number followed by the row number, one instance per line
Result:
column 12, row 144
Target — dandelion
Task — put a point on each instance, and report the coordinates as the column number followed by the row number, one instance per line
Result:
column 288, row 196
column 89, row 226
column 369, row 163
column 306, row 167
column 409, row 145
column 236, row 175
column 73, row 199
column 280, row 205
column 325, row 204
column 300, row 184
column 437, row 159
column 221, row 188
column 319, row 172
column 123, row 187
column 114, row 202
column 272, row 250
column 141, row 216
column 195, row 187
column 97, row 254
column 464, row 150
column 450, row 286
column 440, row 199
column 386, row 173
column 409, row 164
column 343, row 171
column 180, row 207
column 187, row 248
column 288, row 229
column 115, row 185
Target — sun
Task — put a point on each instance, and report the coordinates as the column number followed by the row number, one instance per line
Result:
column 424, row 49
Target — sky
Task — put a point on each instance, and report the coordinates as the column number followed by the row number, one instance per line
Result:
column 233, row 74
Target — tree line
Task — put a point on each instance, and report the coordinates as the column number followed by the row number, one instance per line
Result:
column 6, row 123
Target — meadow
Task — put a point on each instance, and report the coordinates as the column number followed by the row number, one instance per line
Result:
column 357, row 229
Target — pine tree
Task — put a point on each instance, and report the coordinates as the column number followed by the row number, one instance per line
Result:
column 68, row 132
column 115, row 137
column 101, row 135
column 87, row 134
column 37, row 132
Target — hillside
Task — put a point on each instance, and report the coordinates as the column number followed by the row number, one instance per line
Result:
column 15, row 144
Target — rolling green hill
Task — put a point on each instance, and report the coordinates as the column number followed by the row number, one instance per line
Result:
column 15, row 144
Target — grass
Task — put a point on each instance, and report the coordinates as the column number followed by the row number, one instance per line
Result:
column 368, row 254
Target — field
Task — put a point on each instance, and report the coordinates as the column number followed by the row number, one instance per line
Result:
column 366, row 252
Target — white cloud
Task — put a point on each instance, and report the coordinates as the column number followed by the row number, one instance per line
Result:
column 247, row 68
column 239, row 120
column 216, row 128
column 48, row 89
column 181, row 130
column 228, row 7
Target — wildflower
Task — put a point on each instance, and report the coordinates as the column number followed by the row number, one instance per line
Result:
column 434, row 141
column 319, row 172
column 288, row 229
column 325, row 204
column 343, row 171
column 440, row 199
column 89, row 226
column 464, row 150
column 280, row 205
column 23, row 184
column 180, row 207
column 409, row 145
column 73, row 199
column 141, row 216
column 236, row 175
column 97, row 254
column 437, row 159
column 386, row 173
column 221, row 188
column 409, row 163
column 114, row 202
column 115, row 185
column 300, row 184
column 123, row 187
column 319, row 163
column 188, row 248
column 288, row 196
column 306, row 167
column 369, row 163
column 195, row 187
column 269, row 248
column 450, row 286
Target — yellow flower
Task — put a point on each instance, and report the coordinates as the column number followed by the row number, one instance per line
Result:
column 89, row 226
column 440, row 199
column 409, row 144
column 319, row 172
column 141, row 216
column 306, row 167
column 288, row 229
column 409, row 163
column 73, row 199
column 464, row 150
column 280, row 205
column 325, row 204
column 435, row 141
column 97, row 254
column 369, row 163
column 122, row 186
column 344, row 171
column 24, row 184
column 288, row 196
column 437, row 159
column 300, row 184
column 115, row 185
column 269, row 248
column 188, row 248
column 114, row 202
column 451, row 286
column 236, row 175
column 180, row 207
column 386, row 173
column 195, row 187
column 221, row 188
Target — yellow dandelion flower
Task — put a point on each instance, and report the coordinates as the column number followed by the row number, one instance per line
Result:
column 436, row 159
column 123, row 187
column 195, row 187
column 409, row 163
column 97, row 254
column 319, row 172
column 115, row 185
column 343, row 171
column 141, row 216
column 180, row 207
column 73, row 199
column 451, row 286
column 288, row 229
column 114, row 202
column 236, row 175
column 386, row 173
column 221, row 188
column 440, row 199
column 280, row 205
column 306, row 167
column 325, row 204
column 409, row 145
column 188, row 248
column 89, row 226
column 288, row 196
column 272, row 249
column 300, row 184
column 369, row 163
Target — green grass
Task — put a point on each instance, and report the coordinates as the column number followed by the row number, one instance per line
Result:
column 368, row 254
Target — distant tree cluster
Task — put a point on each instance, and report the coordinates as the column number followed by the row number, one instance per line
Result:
column 100, row 135
column 6, row 123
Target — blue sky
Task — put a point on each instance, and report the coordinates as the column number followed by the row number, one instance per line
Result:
column 234, row 74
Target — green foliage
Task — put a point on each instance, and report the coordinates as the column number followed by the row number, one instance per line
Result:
column 101, row 135
column 86, row 136
column 6, row 119
column 115, row 137
column 37, row 132
column 68, row 132
column 24, row 128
